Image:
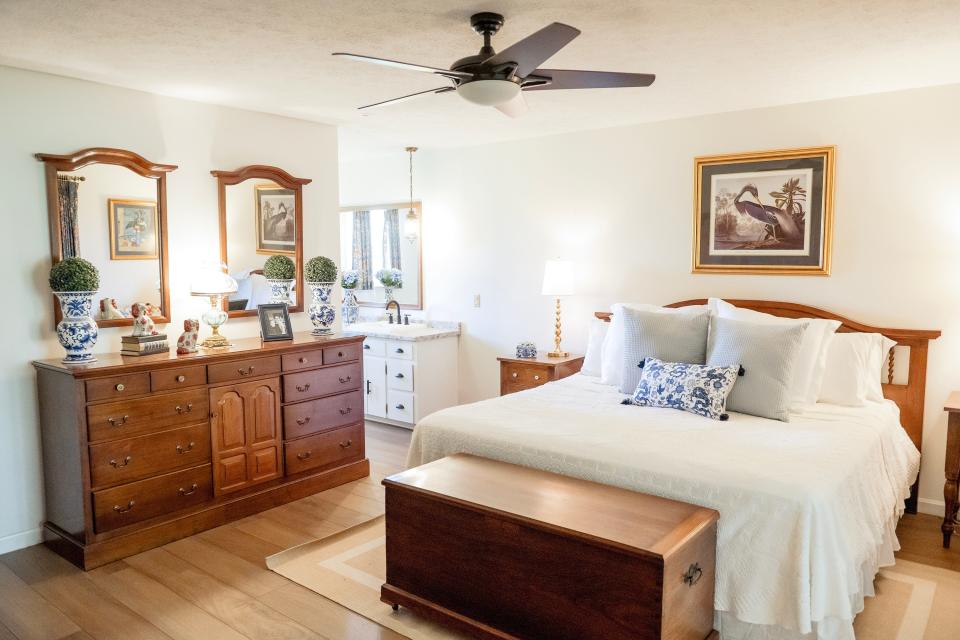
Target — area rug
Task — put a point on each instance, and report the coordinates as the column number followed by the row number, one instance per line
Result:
column 913, row 601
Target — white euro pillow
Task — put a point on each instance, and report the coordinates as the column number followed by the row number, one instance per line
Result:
column 854, row 366
column 593, row 359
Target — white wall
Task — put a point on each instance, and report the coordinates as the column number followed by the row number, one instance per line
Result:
column 619, row 203
column 50, row 114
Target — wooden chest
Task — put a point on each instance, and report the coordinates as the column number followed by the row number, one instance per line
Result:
column 141, row 451
column 500, row 551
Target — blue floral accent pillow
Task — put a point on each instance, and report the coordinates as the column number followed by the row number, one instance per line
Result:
column 697, row 388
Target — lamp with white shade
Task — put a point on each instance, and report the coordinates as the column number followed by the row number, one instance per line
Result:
column 212, row 281
column 557, row 281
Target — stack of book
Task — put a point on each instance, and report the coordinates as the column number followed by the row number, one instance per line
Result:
column 144, row 345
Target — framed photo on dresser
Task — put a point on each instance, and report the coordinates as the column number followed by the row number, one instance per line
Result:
column 274, row 322
column 764, row 212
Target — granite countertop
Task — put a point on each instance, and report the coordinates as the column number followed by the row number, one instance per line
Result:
column 415, row 332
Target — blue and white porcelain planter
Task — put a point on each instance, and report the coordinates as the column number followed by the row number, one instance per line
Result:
column 78, row 330
column 280, row 291
column 349, row 310
column 322, row 312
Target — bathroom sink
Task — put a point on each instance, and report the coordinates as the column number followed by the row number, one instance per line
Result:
column 384, row 328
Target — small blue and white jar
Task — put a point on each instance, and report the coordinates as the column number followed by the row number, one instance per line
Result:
column 322, row 312
column 77, row 331
column 350, row 309
column 526, row 350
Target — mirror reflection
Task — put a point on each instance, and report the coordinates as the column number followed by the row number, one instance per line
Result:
column 260, row 222
column 109, row 216
column 382, row 244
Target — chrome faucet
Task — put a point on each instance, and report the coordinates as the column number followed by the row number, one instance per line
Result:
column 390, row 315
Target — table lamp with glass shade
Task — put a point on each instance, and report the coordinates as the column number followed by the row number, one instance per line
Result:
column 213, row 281
column 557, row 281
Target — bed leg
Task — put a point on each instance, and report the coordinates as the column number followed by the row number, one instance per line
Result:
column 910, row 504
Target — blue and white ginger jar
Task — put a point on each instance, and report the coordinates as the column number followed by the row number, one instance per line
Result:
column 77, row 331
column 322, row 312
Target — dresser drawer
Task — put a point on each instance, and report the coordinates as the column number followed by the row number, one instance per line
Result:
column 243, row 369
column 400, row 374
column 179, row 378
column 114, row 420
column 400, row 349
column 324, row 414
column 117, row 387
column 321, row 382
column 144, row 499
column 135, row 458
column 400, row 405
column 302, row 360
column 343, row 353
column 375, row 347
column 324, row 449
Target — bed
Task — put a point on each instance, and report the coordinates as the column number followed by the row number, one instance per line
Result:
column 808, row 508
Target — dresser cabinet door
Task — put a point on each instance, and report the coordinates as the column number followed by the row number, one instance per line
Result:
column 245, row 429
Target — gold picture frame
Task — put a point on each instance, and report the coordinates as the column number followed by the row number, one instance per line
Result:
column 780, row 220
column 275, row 237
column 134, row 229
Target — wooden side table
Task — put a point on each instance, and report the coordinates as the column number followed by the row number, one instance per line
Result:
column 517, row 374
column 951, row 469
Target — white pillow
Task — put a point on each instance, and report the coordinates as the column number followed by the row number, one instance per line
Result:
column 811, row 360
column 592, row 361
column 855, row 362
column 612, row 360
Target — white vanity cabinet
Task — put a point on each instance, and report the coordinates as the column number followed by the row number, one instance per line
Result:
column 407, row 379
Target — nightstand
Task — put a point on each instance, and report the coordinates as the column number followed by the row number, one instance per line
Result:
column 951, row 469
column 517, row 374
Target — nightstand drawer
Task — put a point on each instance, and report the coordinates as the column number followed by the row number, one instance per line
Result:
column 518, row 374
column 526, row 376
column 400, row 375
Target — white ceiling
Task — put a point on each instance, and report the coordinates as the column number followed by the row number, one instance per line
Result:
column 274, row 56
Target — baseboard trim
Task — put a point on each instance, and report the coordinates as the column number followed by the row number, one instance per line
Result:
column 21, row 540
column 931, row 507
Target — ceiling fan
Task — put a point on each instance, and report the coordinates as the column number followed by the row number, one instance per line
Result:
column 497, row 79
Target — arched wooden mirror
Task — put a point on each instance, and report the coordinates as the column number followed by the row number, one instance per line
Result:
column 109, row 206
column 261, row 215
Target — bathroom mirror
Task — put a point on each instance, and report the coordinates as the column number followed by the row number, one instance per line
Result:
column 109, row 206
column 261, row 215
column 378, row 238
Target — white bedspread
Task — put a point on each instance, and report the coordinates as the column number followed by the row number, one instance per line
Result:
column 808, row 509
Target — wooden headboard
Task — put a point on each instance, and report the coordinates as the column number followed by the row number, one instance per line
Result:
column 909, row 397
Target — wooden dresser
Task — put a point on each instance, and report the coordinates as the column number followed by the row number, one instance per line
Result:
column 138, row 452
column 518, row 374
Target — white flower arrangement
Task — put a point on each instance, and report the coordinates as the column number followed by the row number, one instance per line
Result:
column 392, row 278
column 350, row 279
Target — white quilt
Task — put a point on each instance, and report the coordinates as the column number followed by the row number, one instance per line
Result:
column 808, row 509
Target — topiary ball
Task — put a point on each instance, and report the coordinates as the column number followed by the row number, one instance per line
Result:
column 74, row 274
column 321, row 269
column 279, row 268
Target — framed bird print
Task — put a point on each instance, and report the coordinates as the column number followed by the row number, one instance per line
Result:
column 765, row 212
column 133, row 229
column 276, row 219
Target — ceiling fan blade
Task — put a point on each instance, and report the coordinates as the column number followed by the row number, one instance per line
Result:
column 535, row 49
column 405, row 65
column 575, row 79
column 402, row 98
column 515, row 108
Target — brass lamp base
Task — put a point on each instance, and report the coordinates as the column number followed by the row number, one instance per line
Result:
column 558, row 354
column 215, row 340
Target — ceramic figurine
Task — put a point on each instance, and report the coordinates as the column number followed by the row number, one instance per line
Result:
column 109, row 309
column 142, row 322
column 526, row 350
column 187, row 342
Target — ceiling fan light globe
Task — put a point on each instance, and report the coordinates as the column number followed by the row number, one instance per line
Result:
column 489, row 93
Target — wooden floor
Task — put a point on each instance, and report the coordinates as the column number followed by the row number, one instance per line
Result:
column 215, row 585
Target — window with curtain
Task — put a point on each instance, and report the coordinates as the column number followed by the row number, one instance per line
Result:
column 361, row 260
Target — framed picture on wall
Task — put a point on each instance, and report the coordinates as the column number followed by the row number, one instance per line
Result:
column 274, row 322
column 765, row 212
column 133, row 229
column 276, row 219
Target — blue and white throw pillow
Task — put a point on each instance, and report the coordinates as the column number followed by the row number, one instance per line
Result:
column 697, row 388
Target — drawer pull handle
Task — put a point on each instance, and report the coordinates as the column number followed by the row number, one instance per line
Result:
column 181, row 378
column 368, row 388
column 401, row 407
column 344, row 412
column 120, row 509
column 399, row 350
column 247, row 372
column 513, row 375
column 399, row 375
column 339, row 354
column 186, row 449
column 193, row 490
column 536, row 377
column 303, row 421
column 367, row 347
column 348, row 443
column 304, row 388
column 120, row 386
column 114, row 422
column 116, row 464
column 303, row 456
column 345, row 380
column 693, row 575
column 189, row 408
column 302, row 361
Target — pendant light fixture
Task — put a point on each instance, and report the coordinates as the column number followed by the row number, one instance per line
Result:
column 411, row 226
